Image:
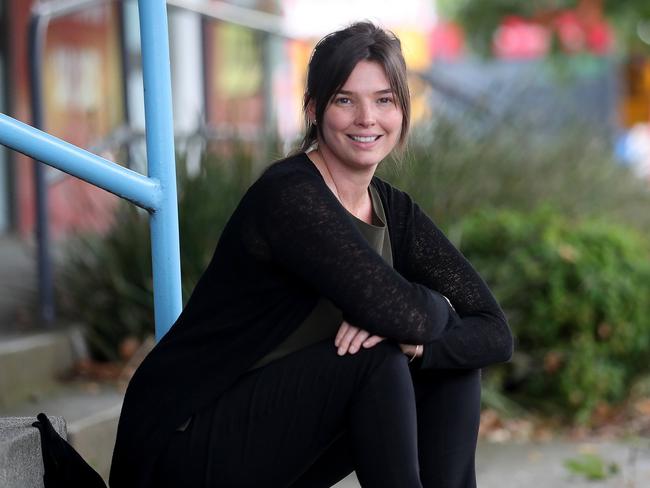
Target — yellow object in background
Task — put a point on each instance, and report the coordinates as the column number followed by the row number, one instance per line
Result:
column 636, row 96
column 415, row 46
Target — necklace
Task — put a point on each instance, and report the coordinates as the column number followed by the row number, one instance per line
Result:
column 333, row 187
column 322, row 161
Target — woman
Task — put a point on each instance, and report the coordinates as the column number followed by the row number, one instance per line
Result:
column 335, row 328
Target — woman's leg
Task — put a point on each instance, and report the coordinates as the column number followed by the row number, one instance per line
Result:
column 276, row 422
column 334, row 464
column 448, row 413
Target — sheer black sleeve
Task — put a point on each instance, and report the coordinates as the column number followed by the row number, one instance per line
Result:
column 477, row 333
column 311, row 237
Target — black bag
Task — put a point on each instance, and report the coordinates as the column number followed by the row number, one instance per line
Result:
column 64, row 467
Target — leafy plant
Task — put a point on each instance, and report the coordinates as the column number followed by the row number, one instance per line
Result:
column 592, row 466
column 577, row 294
column 106, row 280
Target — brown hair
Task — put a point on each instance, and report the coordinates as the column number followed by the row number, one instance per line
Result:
column 334, row 58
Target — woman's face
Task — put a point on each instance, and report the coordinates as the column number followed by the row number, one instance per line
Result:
column 362, row 123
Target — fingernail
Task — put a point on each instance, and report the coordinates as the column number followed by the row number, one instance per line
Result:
column 353, row 349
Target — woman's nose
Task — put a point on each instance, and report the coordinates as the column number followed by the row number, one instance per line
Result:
column 365, row 116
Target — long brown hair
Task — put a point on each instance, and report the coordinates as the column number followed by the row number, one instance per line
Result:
column 334, row 58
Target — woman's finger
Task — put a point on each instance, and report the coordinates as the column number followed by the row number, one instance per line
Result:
column 343, row 328
column 344, row 343
column 358, row 340
column 372, row 341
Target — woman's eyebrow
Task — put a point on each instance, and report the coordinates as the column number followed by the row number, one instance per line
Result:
column 378, row 92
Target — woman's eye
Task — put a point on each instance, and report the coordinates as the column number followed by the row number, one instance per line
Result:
column 385, row 100
column 342, row 100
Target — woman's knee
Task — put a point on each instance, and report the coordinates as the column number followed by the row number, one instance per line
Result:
column 385, row 354
column 384, row 362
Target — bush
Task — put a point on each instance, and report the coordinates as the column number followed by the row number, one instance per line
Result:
column 106, row 281
column 577, row 295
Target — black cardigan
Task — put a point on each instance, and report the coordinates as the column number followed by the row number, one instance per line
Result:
column 288, row 242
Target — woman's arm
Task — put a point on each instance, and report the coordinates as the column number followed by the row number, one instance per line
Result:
column 477, row 333
column 312, row 238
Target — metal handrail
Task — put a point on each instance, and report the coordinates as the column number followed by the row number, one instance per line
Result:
column 112, row 177
column 157, row 191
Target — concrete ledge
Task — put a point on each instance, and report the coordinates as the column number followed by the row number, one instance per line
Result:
column 21, row 460
column 91, row 412
column 33, row 364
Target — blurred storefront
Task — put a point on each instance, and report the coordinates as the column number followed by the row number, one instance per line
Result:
column 81, row 104
column 231, row 81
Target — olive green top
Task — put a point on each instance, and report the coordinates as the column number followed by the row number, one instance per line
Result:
column 325, row 319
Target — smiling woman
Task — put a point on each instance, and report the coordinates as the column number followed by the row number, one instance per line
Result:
column 362, row 123
column 335, row 329
column 359, row 128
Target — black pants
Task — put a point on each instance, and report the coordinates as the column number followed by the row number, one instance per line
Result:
column 311, row 418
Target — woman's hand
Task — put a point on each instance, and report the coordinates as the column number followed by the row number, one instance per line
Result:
column 349, row 339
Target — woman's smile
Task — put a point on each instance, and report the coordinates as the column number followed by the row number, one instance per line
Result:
column 364, row 139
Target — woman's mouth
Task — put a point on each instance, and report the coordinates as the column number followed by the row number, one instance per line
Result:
column 364, row 138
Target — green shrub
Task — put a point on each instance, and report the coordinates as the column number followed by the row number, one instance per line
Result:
column 106, row 282
column 577, row 295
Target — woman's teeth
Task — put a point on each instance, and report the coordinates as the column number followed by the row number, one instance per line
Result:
column 364, row 139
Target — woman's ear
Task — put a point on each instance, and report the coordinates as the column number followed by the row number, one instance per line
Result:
column 311, row 110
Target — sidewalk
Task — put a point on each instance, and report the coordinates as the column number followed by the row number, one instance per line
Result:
column 530, row 465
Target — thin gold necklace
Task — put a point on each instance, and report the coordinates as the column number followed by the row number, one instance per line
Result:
column 335, row 190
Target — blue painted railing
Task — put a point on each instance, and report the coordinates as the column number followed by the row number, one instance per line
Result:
column 155, row 192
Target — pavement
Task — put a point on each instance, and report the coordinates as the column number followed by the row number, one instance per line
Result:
column 542, row 465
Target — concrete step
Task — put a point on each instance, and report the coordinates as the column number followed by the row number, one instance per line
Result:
column 91, row 412
column 21, row 461
column 32, row 364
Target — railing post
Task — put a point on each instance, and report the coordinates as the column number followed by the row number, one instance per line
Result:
column 43, row 258
column 165, row 248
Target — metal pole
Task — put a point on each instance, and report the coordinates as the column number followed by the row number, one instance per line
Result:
column 161, row 162
column 44, row 260
column 41, row 14
column 124, row 66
